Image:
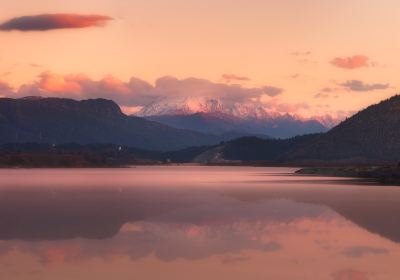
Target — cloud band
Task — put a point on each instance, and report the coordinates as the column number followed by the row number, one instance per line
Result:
column 47, row 22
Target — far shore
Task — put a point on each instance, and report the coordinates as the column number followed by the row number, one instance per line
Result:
column 382, row 172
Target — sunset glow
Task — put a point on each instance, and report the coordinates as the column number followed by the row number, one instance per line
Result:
column 199, row 139
column 310, row 49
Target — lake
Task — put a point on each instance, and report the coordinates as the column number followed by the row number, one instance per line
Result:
column 191, row 222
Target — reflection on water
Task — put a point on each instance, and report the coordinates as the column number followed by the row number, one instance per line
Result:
column 195, row 223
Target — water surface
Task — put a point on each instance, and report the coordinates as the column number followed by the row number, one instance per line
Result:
column 195, row 223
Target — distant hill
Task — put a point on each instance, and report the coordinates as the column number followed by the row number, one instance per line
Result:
column 256, row 149
column 210, row 123
column 59, row 121
column 284, row 126
column 90, row 155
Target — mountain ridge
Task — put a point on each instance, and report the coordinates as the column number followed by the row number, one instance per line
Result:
column 210, row 115
column 61, row 120
column 220, row 123
column 371, row 135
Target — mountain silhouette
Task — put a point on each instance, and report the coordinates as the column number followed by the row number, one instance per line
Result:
column 370, row 135
column 59, row 121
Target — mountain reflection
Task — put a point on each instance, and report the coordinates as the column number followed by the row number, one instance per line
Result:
column 199, row 218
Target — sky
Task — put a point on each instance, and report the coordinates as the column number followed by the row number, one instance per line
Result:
column 317, row 57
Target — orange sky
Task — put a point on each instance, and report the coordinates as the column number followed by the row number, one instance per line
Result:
column 299, row 46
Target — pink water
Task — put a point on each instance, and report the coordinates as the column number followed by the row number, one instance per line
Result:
column 195, row 223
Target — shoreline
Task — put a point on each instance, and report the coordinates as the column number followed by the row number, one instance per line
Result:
column 387, row 175
column 384, row 174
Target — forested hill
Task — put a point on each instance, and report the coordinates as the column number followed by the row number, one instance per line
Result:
column 373, row 133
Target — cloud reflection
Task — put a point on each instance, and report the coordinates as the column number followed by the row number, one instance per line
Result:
column 249, row 220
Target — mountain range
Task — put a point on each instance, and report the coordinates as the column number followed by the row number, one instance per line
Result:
column 211, row 115
column 59, row 121
column 371, row 135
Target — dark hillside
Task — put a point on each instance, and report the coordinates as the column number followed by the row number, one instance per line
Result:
column 60, row 121
column 373, row 133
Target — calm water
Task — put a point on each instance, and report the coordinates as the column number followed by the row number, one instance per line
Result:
column 195, row 223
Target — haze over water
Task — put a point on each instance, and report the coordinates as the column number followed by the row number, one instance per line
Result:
column 195, row 223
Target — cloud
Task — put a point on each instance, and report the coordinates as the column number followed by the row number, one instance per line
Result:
column 172, row 87
column 351, row 62
column 139, row 97
column 272, row 91
column 46, row 22
column 228, row 78
column 80, row 86
column 360, row 251
column 357, row 85
column 137, row 92
column 326, row 92
column 183, row 226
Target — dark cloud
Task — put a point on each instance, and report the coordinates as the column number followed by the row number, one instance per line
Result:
column 325, row 92
column 272, row 91
column 46, row 22
column 357, row 85
column 351, row 62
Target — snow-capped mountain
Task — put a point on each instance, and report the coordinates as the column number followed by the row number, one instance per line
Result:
column 182, row 106
column 203, row 104
column 210, row 115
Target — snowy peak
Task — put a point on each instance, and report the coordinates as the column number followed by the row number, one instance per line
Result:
column 182, row 106
column 210, row 115
column 203, row 104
